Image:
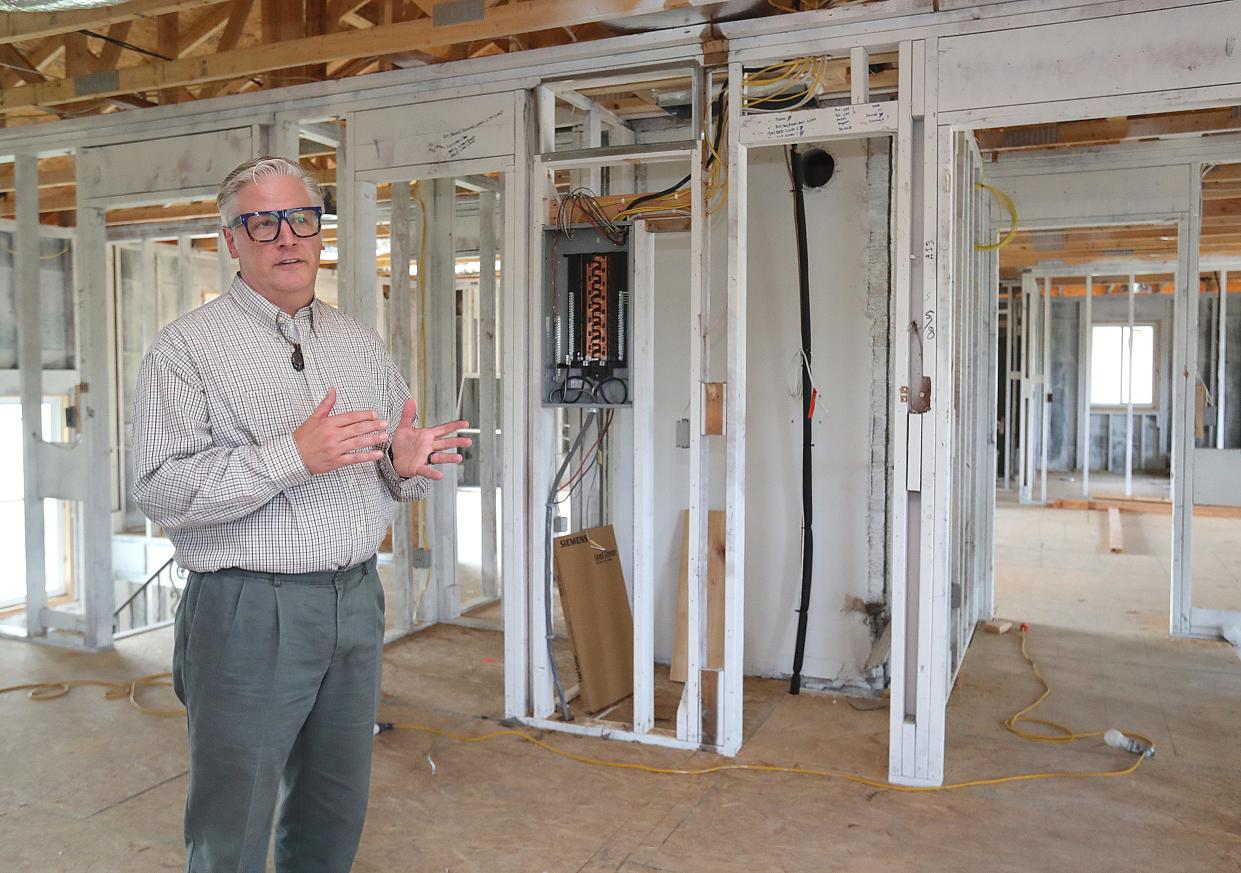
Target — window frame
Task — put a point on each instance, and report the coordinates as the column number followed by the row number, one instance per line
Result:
column 1156, row 326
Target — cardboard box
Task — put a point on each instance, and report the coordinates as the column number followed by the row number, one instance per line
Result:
column 596, row 609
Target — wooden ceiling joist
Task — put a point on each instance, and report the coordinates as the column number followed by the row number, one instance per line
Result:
column 497, row 22
column 22, row 26
column 1104, row 131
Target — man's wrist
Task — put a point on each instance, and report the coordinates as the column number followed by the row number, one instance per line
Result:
column 392, row 461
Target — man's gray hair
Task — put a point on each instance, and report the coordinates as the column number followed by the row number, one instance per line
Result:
column 265, row 167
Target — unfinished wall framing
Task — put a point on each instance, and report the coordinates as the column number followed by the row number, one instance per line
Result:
column 971, row 67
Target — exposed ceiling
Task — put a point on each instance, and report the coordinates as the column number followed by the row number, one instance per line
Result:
column 153, row 52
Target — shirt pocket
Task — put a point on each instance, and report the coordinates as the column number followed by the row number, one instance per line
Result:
column 256, row 408
column 357, row 388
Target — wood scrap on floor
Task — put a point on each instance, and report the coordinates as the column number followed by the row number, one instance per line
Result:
column 997, row 627
column 1151, row 505
column 1115, row 532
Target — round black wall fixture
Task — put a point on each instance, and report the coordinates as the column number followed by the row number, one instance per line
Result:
column 817, row 168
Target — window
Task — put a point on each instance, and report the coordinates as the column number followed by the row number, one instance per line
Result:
column 13, row 506
column 1113, row 372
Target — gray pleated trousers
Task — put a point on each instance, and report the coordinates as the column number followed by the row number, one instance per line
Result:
column 279, row 675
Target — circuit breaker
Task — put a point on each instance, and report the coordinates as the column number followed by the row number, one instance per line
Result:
column 586, row 300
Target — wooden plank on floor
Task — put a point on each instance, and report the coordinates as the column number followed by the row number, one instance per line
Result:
column 1145, row 504
column 1115, row 533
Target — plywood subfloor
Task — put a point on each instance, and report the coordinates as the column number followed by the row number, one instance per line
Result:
column 93, row 785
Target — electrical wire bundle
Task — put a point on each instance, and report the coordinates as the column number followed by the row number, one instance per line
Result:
column 586, row 202
column 810, row 72
column 553, row 500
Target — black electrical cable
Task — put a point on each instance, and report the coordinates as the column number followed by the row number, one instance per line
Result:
column 125, row 45
column 718, row 114
column 807, row 492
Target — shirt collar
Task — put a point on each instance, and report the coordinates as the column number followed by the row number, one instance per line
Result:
column 256, row 305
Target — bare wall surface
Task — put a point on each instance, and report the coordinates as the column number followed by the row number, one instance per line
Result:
column 838, row 641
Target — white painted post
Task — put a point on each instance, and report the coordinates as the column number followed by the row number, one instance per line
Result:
column 593, row 176
column 30, row 372
column 442, row 340
column 1087, row 365
column 689, row 727
column 906, row 456
column 1184, row 382
column 1129, row 388
column 401, row 346
column 859, row 75
column 1010, row 402
column 360, row 294
column 97, row 592
column 544, row 438
column 987, row 605
column 922, row 544
column 283, row 137
column 186, row 299
column 1221, row 381
column 735, row 439
column 153, row 316
column 938, row 444
column 1044, row 387
column 517, row 315
column 1025, row 474
column 643, row 392
column 487, row 388
column 346, row 245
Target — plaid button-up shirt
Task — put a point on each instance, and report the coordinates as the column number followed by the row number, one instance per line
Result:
column 215, row 463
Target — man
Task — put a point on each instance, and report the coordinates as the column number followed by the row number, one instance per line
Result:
column 272, row 437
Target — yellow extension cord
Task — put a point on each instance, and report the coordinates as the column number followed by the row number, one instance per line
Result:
column 130, row 690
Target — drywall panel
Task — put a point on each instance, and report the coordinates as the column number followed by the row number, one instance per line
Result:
column 175, row 163
column 1217, row 477
column 427, row 133
column 1159, row 50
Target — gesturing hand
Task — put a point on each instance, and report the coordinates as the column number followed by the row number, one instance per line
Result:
column 327, row 442
column 416, row 449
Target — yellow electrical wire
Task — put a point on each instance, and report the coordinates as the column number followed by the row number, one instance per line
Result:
column 813, row 70
column 758, row 768
column 118, row 690
column 1065, row 736
column 1007, row 203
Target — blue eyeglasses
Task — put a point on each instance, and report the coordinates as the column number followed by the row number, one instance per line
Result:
column 304, row 221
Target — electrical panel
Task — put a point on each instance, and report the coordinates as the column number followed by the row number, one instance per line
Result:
column 586, row 318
